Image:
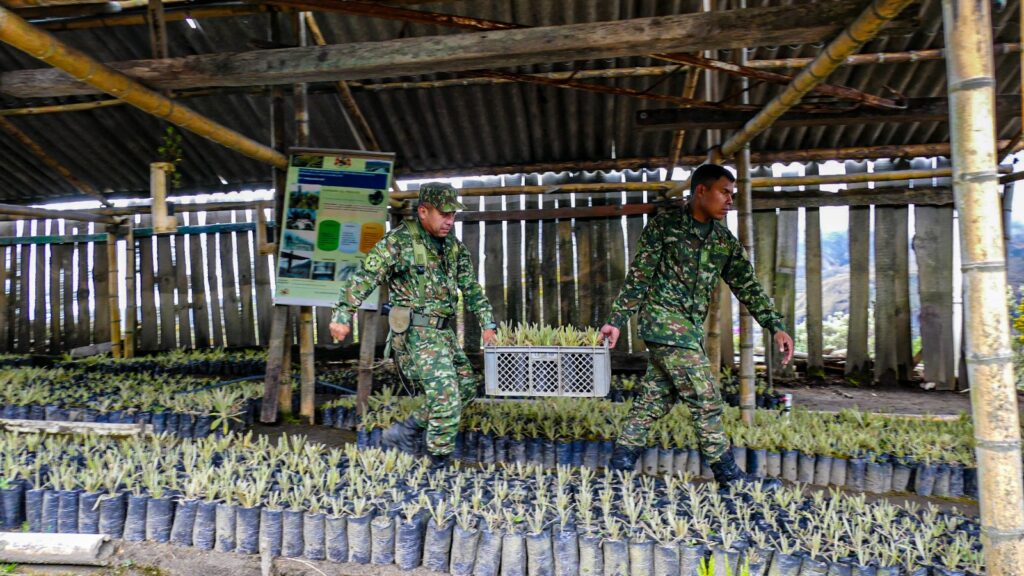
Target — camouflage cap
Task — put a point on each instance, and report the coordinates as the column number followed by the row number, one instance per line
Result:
column 441, row 196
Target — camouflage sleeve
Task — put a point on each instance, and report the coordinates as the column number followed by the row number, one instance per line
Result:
column 371, row 274
column 641, row 274
column 472, row 294
column 739, row 275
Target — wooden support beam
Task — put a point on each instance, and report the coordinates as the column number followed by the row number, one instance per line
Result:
column 157, row 29
column 457, row 52
column 917, row 110
column 472, row 79
column 139, row 17
column 841, row 92
column 30, row 212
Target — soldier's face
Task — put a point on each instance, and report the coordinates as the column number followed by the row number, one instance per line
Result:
column 716, row 201
column 437, row 223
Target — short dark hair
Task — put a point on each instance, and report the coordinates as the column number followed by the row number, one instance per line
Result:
column 708, row 174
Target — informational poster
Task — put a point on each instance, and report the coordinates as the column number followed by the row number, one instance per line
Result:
column 335, row 209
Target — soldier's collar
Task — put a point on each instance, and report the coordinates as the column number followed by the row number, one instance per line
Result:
column 690, row 224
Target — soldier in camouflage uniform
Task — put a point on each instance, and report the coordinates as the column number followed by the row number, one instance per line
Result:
column 680, row 258
column 424, row 268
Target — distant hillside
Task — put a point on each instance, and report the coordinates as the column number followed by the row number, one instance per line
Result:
column 836, row 271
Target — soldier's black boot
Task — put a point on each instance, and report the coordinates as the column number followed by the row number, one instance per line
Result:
column 404, row 435
column 727, row 472
column 624, row 458
column 439, row 461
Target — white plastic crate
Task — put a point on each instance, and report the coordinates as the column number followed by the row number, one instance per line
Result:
column 547, row 371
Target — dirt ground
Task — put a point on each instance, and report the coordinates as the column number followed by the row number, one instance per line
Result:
column 834, row 395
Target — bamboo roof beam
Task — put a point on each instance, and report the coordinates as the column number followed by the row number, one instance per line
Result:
column 83, row 68
column 878, row 57
column 76, row 107
column 752, row 27
column 472, row 79
column 37, row 150
column 378, row 10
column 864, row 28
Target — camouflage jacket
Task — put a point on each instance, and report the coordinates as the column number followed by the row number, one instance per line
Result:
column 674, row 273
column 392, row 261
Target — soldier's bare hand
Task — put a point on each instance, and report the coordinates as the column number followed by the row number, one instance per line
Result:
column 490, row 337
column 784, row 342
column 339, row 331
column 611, row 334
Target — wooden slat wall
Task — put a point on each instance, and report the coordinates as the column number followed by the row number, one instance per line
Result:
column 198, row 290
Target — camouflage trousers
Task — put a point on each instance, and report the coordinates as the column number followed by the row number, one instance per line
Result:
column 433, row 360
column 678, row 373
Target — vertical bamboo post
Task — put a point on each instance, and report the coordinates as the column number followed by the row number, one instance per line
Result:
column 112, row 294
column 131, row 312
column 745, row 221
column 163, row 223
column 971, row 86
column 713, row 333
column 1008, row 216
column 307, row 369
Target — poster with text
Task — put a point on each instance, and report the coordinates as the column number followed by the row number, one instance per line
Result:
column 335, row 209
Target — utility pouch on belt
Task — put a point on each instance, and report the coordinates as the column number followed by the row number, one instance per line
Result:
column 399, row 319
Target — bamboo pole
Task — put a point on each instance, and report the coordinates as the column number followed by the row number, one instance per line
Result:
column 689, row 89
column 1007, row 218
column 112, row 295
column 971, row 84
column 307, row 369
column 813, row 289
column 76, row 107
column 138, row 18
column 879, row 57
column 864, row 28
column 42, row 45
column 157, row 28
column 31, row 212
column 475, row 80
column 745, row 221
column 131, row 320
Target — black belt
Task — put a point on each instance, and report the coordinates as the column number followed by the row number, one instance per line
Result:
column 437, row 322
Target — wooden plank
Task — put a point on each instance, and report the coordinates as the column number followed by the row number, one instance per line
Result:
column 549, row 257
column 200, row 309
column 857, row 360
column 229, row 290
column 244, row 252
column 148, row 320
column 84, row 322
column 901, row 294
column 616, row 257
column 213, row 280
column 165, row 279
column 69, row 330
column 762, row 26
column 785, row 273
column 599, row 257
column 812, row 256
column 634, row 228
column 494, row 247
column 101, row 284
column 516, row 263
column 39, row 321
column 765, row 233
column 584, row 260
column 532, row 268
column 6, row 274
column 183, row 298
column 568, row 309
column 24, row 260
column 55, row 427
column 884, row 308
column 265, row 304
column 933, row 247
column 471, row 239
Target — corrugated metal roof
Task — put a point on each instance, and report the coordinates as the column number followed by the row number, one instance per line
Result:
column 451, row 127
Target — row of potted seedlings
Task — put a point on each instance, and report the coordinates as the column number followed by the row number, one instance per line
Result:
column 874, row 453
column 296, row 498
column 185, row 406
column 205, row 362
